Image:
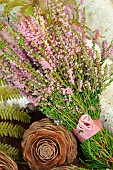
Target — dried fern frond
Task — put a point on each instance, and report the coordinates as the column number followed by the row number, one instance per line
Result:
column 13, row 152
column 14, row 113
column 8, row 129
column 12, row 121
column 3, row 83
column 9, row 93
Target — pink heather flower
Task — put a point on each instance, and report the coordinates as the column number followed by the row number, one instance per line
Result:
column 34, row 100
column 105, row 44
column 110, row 51
column 50, row 88
column 71, row 79
column 96, row 36
column 52, row 57
column 80, row 86
column 78, row 49
column 81, row 2
column 67, row 91
column 96, row 32
column 45, row 64
column 65, row 23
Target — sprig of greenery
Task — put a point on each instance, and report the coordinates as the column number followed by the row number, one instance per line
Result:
column 14, row 113
column 13, row 152
column 101, row 145
column 8, row 129
column 12, row 118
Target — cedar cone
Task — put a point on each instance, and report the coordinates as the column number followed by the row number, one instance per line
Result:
column 6, row 163
column 64, row 168
column 46, row 145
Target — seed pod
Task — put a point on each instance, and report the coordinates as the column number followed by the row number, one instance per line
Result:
column 46, row 145
column 6, row 163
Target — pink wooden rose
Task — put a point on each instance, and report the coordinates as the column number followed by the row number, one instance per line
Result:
column 87, row 127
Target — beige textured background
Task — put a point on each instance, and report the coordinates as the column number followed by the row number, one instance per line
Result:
column 99, row 15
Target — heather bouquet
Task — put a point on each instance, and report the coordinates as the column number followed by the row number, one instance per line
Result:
column 49, row 60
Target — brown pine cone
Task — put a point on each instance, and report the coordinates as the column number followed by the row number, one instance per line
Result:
column 68, row 168
column 64, row 168
column 46, row 145
column 6, row 163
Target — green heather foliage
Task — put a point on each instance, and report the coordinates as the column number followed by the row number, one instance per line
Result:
column 101, row 145
column 50, row 62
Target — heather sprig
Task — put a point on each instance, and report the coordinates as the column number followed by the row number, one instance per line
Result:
column 49, row 60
